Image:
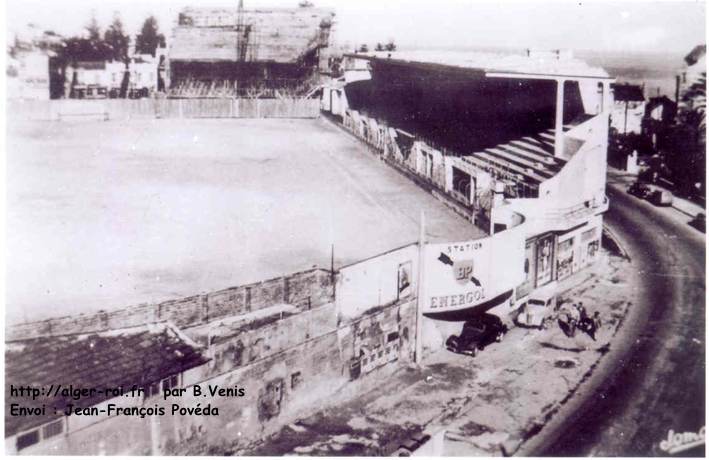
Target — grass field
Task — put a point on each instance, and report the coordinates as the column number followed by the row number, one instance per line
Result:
column 102, row 215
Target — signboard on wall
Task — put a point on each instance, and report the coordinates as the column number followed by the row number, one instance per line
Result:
column 404, row 280
column 545, row 258
column 465, row 275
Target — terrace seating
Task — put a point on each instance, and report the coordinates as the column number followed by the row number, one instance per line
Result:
column 529, row 160
column 266, row 89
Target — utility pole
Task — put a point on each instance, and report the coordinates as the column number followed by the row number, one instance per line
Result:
column 420, row 290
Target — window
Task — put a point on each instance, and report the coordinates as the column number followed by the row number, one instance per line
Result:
column 566, row 245
column 53, row 429
column 27, row 439
column 588, row 235
column 295, row 379
column 170, row 382
column 152, row 390
column 392, row 336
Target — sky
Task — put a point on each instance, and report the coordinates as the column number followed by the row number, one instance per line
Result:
column 627, row 26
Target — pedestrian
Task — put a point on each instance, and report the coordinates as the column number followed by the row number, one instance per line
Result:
column 582, row 312
column 597, row 320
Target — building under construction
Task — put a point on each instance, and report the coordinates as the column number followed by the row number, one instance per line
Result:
column 248, row 52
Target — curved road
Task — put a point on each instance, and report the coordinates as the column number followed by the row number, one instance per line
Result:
column 656, row 381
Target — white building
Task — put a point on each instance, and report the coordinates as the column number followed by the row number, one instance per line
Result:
column 28, row 75
column 98, row 79
column 628, row 109
column 518, row 144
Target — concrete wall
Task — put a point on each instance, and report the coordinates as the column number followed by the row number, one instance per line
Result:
column 305, row 290
column 377, row 281
column 585, row 170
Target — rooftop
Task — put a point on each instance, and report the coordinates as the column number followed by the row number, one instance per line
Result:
column 628, row 93
column 136, row 356
column 535, row 63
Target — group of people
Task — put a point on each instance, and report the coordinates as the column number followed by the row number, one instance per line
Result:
column 575, row 317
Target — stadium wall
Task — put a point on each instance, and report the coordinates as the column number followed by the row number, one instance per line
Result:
column 127, row 109
column 305, row 290
column 380, row 280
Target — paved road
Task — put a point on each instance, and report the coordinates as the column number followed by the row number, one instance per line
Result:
column 658, row 384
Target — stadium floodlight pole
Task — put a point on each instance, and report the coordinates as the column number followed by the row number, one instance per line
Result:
column 419, row 294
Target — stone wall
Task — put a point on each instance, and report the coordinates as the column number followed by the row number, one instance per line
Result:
column 310, row 363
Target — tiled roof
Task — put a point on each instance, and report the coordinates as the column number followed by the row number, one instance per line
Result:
column 277, row 35
column 136, row 356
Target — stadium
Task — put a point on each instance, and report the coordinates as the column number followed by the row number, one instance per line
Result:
column 303, row 245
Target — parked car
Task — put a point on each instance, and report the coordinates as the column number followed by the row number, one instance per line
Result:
column 477, row 334
column 537, row 308
column 661, row 198
column 639, row 189
column 699, row 222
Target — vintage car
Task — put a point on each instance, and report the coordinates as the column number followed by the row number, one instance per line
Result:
column 477, row 334
column 537, row 309
column 640, row 189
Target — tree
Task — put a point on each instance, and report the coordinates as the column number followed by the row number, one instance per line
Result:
column 390, row 46
column 93, row 29
column 363, row 48
column 149, row 37
column 91, row 48
column 116, row 40
column 379, row 47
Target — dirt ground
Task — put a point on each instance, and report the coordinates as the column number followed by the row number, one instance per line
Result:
column 103, row 215
column 483, row 406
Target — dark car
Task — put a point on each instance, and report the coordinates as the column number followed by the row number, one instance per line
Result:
column 699, row 222
column 477, row 333
column 407, row 448
column 639, row 189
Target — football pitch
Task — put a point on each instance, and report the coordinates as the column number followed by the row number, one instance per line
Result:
column 104, row 215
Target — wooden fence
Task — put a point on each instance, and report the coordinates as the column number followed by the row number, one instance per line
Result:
column 126, row 109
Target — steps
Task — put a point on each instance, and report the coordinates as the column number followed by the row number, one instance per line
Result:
column 529, row 159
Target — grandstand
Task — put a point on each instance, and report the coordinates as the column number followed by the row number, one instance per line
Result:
column 248, row 53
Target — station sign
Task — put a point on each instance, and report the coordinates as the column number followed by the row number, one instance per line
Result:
column 463, row 275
